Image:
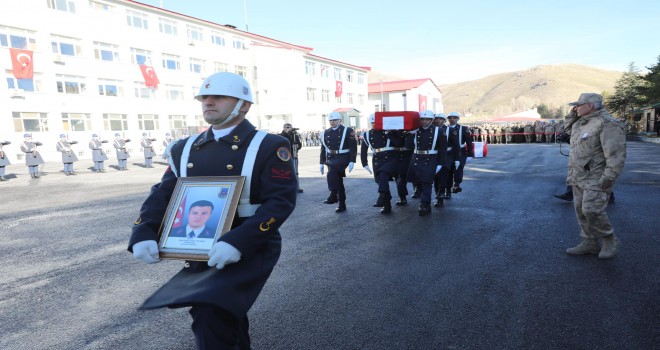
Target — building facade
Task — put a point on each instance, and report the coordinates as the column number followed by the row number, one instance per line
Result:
column 83, row 67
column 405, row 95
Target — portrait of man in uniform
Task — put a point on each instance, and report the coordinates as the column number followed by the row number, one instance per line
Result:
column 198, row 215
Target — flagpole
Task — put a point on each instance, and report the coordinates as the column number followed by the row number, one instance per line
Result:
column 246, row 18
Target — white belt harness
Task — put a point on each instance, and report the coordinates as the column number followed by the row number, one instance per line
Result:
column 435, row 140
column 387, row 147
column 341, row 145
column 245, row 209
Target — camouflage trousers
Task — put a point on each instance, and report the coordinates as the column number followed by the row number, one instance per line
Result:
column 590, row 212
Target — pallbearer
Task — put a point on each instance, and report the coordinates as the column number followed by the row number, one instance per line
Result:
column 384, row 161
column 338, row 151
column 466, row 154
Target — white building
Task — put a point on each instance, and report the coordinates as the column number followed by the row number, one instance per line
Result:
column 86, row 55
column 405, row 95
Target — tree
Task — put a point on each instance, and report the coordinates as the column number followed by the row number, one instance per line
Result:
column 544, row 111
column 651, row 92
column 627, row 94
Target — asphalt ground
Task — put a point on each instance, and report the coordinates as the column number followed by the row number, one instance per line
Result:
column 486, row 271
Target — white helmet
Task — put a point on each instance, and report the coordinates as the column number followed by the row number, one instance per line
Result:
column 441, row 115
column 372, row 118
column 334, row 116
column 225, row 84
column 427, row 114
column 455, row 114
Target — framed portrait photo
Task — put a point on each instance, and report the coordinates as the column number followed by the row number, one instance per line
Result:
column 200, row 211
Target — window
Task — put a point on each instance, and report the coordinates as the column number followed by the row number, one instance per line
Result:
column 220, row 67
column 142, row 91
column 167, row 27
column 17, row 38
column 69, row 84
column 30, row 122
column 311, row 94
column 100, row 6
column 137, row 20
column 65, row 46
column 62, row 5
column 310, row 68
column 197, row 65
column 360, row 99
column 177, row 121
column 360, row 78
column 350, row 97
column 32, row 85
column 174, row 92
column 148, row 122
column 349, row 76
column 195, row 34
column 76, row 121
column 338, row 99
column 324, row 71
column 139, row 56
column 238, row 43
column 325, row 95
column 106, row 52
column 171, row 62
column 109, row 87
column 218, row 39
column 241, row 70
column 337, row 73
column 115, row 122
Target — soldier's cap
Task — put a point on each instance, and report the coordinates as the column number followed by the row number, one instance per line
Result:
column 587, row 97
column 27, row 135
column 117, row 134
column 62, row 135
column 94, row 135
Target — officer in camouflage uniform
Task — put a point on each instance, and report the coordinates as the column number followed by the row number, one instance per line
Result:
column 221, row 291
column 338, row 151
column 32, row 156
column 4, row 160
column 597, row 156
column 68, row 155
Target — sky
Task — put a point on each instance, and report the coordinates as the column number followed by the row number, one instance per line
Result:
column 449, row 41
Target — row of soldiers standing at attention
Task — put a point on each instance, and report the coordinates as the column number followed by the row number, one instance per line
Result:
column 33, row 158
column 431, row 157
column 521, row 132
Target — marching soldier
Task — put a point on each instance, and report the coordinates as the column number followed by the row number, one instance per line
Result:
column 403, row 155
column 338, row 151
column 166, row 143
column 429, row 152
column 148, row 148
column 442, row 181
column 4, row 160
column 122, row 152
column 466, row 151
column 68, row 156
column 32, row 156
column 98, row 155
column 384, row 160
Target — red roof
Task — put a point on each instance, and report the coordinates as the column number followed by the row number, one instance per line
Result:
column 343, row 110
column 399, row 85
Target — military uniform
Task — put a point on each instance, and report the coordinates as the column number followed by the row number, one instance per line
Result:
column 148, row 150
column 166, row 144
column 429, row 151
column 4, row 160
column 403, row 155
column 296, row 144
column 384, row 161
column 255, row 231
column 443, row 183
column 466, row 150
column 122, row 153
column 338, row 148
column 98, row 155
column 32, row 156
column 68, row 156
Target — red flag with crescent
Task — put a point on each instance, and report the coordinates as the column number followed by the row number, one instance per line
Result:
column 21, row 63
column 422, row 103
column 178, row 218
column 150, row 78
column 338, row 88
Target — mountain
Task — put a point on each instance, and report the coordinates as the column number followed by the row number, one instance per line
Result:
column 507, row 93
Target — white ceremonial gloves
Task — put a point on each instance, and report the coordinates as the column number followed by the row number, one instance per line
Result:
column 223, row 253
column 350, row 166
column 146, row 251
column 322, row 169
column 438, row 168
column 457, row 163
column 468, row 160
column 368, row 169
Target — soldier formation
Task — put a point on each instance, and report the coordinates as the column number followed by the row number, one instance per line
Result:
column 517, row 132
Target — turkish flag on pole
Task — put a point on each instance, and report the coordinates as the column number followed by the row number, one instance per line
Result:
column 150, row 78
column 21, row 63
column 178, row 219
column 338, row 88
column 422, row 103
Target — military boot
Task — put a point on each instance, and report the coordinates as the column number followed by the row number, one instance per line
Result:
column 438, row 201
column 610, row 244
column 447, row 193
column 417, row 193
column 2, row 178
column 587, row 246
column 332, row 199
column 387, row 207
column 568, row 196
column 379, row 201
column 424, row 209
column 402, row 201
column 457, row 188
column 341, row 207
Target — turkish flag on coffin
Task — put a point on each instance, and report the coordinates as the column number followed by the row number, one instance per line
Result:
column 403, row 120
column 21, row 63
column 150, row 78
